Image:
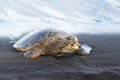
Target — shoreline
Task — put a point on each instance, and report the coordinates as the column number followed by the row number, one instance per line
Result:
column 101, row 64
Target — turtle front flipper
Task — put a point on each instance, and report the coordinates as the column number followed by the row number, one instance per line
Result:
column 33, row 53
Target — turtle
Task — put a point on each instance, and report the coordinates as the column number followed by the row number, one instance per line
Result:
column 48, row 41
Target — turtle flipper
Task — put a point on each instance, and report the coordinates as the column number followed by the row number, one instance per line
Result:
column 27, row 48
column 32, row 46
column 33, row 53
column 60, row 55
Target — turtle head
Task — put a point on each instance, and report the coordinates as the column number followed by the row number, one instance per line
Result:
column 71, row 44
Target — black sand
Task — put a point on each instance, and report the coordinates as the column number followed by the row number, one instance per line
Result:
column 102, row 64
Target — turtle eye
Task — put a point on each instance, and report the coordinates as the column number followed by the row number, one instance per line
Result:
column 69, row 38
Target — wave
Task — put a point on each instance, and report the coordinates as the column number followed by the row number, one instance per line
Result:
column 79, row 16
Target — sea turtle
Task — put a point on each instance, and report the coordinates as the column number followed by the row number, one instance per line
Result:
column 48, row 41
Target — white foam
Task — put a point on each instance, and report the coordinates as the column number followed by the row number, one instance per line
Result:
column 13, row 14
column 79, row 16
column 52, row 12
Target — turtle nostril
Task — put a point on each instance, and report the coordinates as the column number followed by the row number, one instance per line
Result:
column 68, row 38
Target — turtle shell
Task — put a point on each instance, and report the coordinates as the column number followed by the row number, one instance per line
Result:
column 37, row 36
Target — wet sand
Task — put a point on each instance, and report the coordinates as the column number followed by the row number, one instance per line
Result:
column 102, row 64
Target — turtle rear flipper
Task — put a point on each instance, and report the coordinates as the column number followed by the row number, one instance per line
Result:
column 33, row 53
column 26, row 48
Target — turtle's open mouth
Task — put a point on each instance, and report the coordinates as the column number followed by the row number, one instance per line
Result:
column 70, row 45
column 74, row 43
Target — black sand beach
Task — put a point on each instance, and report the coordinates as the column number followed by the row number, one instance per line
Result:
column 102, row 64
